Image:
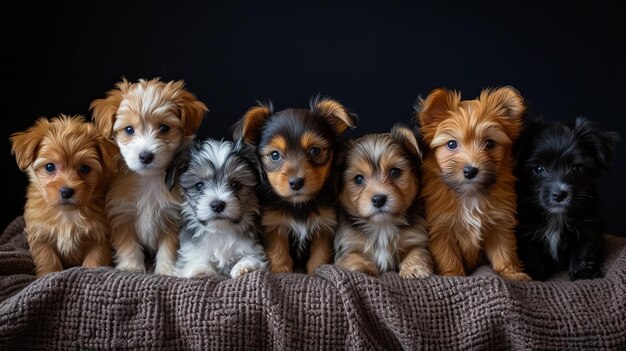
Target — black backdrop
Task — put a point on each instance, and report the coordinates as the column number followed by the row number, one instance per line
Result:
column 566, row 59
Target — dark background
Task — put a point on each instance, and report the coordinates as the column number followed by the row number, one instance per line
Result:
column 566, row 59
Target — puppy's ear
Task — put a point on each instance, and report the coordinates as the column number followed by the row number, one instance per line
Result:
column 249, row 127
column 180, row 163
column 407, row 138
column 436, row 105
column 508, row 104
column 109, row 151
column 192, row 110
column 105, row 110
column 248, row 153
column 601, row 144
column 25, row 145
column 334, row 113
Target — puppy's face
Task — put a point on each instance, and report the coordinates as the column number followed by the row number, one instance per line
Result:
column 148, row 120
column 564, row 162
column 296, row 146
column 471, row 139
column 219, row 183
column 380, row 180
column 66, row 158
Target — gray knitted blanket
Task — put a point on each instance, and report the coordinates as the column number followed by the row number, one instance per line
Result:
column 81, row 309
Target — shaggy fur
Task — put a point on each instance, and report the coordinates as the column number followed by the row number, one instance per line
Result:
column 468, row 183
column 296, row 148
column 382, row 227
column 69, row 165
column 150, row 121
column 559, row 209
column 220, row 231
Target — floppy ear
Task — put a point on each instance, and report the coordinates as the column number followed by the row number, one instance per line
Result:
column 192, row 110
column 248, row 153
column 407, row 138
column 180, row 163
column 334, row 113
column 25, row 145
column 105, row 110
column 109, row 152
column 508, row 104
column 250, row 125
column 436, row 106
column 602, row 144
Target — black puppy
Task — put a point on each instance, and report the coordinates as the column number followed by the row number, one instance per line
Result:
column 560, row 220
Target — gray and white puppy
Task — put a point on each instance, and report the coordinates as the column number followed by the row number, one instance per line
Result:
column 218, row 181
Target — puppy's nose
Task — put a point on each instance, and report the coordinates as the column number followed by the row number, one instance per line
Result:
column 559, row 195
column 379, row 200
column 470, row 172
column 296, row 183
column 66, row 193
column 146, row 157
column 218, row 205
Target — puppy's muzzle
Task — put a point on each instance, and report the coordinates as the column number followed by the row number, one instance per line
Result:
column 146, row 157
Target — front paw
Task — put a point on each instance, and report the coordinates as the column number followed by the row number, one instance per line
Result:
column 131, row 267
column 165, row 269
column 415, row 272
column 516, row 276
column 589, row 271
column 282, row 268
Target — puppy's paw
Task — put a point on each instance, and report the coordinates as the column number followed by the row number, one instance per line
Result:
column 516, row 276
column 284, row 268
column 131, row 267
column 165, row 269
column 239, row 270
column 590, row 272
column 415, row 272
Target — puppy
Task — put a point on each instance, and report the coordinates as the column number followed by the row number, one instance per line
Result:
column 150, row 121
column 381, row 225
column 69, row 164
column 220, row 232
column 559, row 209
column 468, row 184
column 296, row 148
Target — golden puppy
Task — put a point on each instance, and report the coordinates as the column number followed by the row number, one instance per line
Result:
column 69, row 165
column 468, row 183
column 382, row 227
column 150, row 121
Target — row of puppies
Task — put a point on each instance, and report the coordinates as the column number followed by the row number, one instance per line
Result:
column 467, row 190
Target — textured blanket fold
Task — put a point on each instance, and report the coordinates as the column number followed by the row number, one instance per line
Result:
column 104, row 308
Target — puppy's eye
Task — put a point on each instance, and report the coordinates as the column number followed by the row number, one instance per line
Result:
column 129, row 130
column 199, row 186
column 235, row 185
column 275, row 155
column 164, row 128
column 539, row 169
column 84, row 169
column 395, row 172
column 359, row 179
column 50, row 167
column 490, row 143
column 578, row 169
column 451, row 144
column 315, row 151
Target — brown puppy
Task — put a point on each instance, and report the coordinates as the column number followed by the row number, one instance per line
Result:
column 69, row 165
column 468, row 183
column 296, row 148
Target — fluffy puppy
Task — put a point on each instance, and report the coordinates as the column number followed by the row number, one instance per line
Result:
column 559, row 209
column 69, row 165
column 220, row 231
column 468, row 184
column 150, row 121
column 296, row 149
column 381, row 223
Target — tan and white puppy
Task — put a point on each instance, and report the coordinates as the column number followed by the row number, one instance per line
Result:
column 150, row 121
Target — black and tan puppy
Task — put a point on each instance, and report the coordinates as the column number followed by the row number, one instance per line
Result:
column 296, row 148
column 382, row 227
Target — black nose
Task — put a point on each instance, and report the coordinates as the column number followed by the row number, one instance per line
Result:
column 146, row 157
column 296, row 183
column 67, row 193
column 218, row 205
column 379, row 200
column 559, row 195
column 470, row 172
